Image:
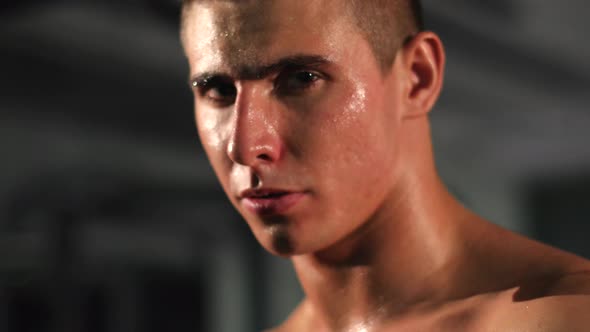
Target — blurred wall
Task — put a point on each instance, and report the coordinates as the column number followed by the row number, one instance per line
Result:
column 113, row 221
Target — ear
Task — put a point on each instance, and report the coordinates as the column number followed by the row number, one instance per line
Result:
column 423, row 60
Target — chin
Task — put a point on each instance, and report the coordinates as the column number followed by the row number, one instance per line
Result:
column 285, row 237
column 285, row 245
column 277, row 241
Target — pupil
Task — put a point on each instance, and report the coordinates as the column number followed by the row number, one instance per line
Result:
column 305, row 77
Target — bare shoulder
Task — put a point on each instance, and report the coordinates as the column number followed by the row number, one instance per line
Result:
column 562, row 304
column 551, row 314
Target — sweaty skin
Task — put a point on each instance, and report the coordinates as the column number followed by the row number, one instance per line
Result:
column 290, row 97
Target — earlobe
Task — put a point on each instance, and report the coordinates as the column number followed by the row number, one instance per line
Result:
column 424, row 61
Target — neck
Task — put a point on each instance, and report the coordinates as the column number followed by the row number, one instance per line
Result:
column 399, row 260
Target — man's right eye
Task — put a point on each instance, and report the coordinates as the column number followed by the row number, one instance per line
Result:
column 218, row 91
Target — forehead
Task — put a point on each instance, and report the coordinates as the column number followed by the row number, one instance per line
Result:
column 232, row 34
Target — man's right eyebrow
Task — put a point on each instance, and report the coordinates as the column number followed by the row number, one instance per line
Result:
column 259, row 72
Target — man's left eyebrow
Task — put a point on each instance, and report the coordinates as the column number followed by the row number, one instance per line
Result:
column 247, row 72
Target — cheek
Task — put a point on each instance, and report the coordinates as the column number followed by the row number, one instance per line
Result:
column 355, row 145
column 353, row 126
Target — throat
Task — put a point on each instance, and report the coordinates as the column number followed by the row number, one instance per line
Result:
column 378, row 280
column 359, row 298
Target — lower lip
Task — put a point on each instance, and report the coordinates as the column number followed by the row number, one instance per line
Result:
column 272, row 206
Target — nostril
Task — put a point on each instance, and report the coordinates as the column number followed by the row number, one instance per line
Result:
column 264, row 157
column 268, row 153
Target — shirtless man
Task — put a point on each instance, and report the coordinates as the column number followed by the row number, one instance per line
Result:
column 314, row 116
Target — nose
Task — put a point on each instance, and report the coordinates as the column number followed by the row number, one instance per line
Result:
column 255, row 138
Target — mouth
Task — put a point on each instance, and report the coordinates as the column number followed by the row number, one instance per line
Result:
column 264, row 193
column 269, row 202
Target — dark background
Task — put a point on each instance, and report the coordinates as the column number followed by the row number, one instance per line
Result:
column 111, row 219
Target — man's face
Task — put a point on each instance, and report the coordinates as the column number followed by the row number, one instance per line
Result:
column 297, row 120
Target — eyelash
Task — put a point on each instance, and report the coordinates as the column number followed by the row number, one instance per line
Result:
column 301, row 76
column 204, row 86
column 281, row 83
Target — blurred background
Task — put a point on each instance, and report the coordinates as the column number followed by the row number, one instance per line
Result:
column 111, row 219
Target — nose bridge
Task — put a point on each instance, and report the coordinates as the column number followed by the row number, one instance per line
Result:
column 255, row 138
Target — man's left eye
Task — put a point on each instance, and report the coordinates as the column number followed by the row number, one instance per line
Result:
column 297, row 81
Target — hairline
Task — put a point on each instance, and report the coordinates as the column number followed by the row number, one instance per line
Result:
column 385, row 56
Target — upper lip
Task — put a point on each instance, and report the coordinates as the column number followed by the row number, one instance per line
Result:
column 264, row 193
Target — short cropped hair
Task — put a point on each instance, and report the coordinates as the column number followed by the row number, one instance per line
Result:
column 385, row 24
